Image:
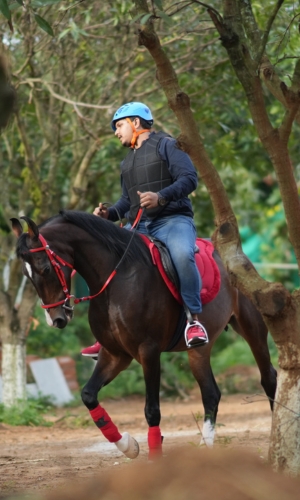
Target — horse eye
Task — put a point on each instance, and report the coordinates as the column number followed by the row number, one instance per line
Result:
column 46, row 270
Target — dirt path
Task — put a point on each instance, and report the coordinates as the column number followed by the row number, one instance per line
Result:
column 39, row 458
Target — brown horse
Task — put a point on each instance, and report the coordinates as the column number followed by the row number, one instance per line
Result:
column 132, row 313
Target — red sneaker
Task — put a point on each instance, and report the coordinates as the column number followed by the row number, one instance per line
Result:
column 195, row 334
column 92, row 350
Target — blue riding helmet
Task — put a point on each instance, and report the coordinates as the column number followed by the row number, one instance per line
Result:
column 132, row 109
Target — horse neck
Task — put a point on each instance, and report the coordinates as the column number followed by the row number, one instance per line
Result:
column 94, row 262
column 91, row 259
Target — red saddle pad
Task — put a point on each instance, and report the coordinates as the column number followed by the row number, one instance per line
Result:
column 207, row 266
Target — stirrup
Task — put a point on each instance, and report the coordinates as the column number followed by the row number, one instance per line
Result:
column 197, row 340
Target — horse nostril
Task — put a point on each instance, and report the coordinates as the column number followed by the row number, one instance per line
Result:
column 59, row 323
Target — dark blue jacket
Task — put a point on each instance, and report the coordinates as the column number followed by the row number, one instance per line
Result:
column 184, row 178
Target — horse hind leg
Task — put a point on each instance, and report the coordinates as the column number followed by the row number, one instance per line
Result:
column 106, row 369
column 248, row 322
column 199, row 360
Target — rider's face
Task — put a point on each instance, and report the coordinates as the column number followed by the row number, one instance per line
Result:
column 124, row 132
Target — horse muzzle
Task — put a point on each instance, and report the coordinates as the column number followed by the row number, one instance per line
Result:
column 60, row 322
column 59, row 317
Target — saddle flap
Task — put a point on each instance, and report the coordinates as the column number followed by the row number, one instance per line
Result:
column 207, row 266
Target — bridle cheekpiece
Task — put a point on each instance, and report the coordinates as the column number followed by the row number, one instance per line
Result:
column 56, row 262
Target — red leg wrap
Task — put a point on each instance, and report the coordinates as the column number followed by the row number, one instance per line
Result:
column 154, row 442
column 104, row 423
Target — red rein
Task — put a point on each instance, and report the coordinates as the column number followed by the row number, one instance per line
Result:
column 57, row 261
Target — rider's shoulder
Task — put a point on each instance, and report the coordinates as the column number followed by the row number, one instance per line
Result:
column 164, row 140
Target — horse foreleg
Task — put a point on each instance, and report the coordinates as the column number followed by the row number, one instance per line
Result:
column 199, row 360
column 106, row 369
column 150, row 361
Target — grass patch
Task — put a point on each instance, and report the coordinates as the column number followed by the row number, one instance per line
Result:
column 30, row 412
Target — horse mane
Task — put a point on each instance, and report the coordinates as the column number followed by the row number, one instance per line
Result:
column 114, row 238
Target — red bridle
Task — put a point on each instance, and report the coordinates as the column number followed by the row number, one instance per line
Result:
column 56, row 262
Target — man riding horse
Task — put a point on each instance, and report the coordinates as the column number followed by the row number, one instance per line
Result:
column 157, row 176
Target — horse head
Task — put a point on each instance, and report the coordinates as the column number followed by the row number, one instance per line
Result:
column 49, row 273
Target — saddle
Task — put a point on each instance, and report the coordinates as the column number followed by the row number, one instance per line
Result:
column 207, row 266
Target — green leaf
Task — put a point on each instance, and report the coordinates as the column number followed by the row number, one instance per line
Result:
column 44, row 24
column 64, row 33
column 4, row 9
column 14, row 6
column 135, row 18
column 20, row 2
column 43, row 3
column 159, row 4
column 145, row 18
column 164, row 16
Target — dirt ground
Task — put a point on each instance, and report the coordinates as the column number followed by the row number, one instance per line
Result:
column 38, row 459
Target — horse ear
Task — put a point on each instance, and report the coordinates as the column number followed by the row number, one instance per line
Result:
column 32, row 228
column 16, row 227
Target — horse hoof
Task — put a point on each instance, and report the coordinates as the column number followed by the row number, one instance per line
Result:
column 208, row 434
column 128, row 445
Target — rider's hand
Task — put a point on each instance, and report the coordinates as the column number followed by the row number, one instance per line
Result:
column 148, row 199
column 101, row 211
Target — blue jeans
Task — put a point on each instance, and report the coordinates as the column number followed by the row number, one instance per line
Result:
column 178, row 233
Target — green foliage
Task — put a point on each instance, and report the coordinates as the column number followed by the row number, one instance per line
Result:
column 5, row 9
column 43, row 24
column 176, row 375
column 230, row 349
column 46, row 341
column 26, row 413
column 128, row 382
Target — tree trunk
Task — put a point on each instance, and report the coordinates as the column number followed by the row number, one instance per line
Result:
column 13, row 356
column 284, row 451
column 13, row 371
column 17, row 302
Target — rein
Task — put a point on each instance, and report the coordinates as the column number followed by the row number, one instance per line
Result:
column 56, row 262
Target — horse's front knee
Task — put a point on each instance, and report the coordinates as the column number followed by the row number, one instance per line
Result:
column 89, row 397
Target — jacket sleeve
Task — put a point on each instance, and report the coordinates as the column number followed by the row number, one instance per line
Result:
column 181, row 168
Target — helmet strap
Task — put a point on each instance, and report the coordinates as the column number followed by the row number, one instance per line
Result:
column 136, row 133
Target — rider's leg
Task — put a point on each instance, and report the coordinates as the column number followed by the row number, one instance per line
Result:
column 179, row 235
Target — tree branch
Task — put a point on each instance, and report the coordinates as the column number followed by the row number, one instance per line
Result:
column 266, row 34
column 79, row 184
column 293, row 103
column 29, row 154
column 273, row 83
column 250, row 25
column 65, row 99
column 296, row 77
